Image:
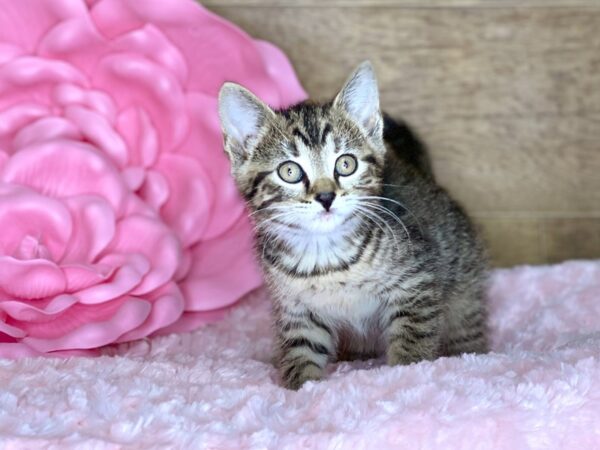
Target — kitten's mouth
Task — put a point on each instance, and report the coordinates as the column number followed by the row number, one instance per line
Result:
column 327, row 221
column 327, row 215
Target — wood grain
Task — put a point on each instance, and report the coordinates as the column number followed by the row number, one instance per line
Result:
column 414, row 4
column 457, row 63
column 538, row 165
column 513, row 241
column 506, row 94
column 564, row 238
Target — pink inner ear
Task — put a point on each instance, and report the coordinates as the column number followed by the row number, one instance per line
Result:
column 241, row 115
column 360, row 98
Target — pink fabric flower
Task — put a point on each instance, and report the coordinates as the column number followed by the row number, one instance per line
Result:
column 118, row 216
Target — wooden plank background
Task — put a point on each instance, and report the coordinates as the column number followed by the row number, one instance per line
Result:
column 505, row 92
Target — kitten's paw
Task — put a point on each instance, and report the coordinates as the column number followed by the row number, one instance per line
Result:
column 402, row 358
column 397, row 359
column 294, row 376
column 398, row 353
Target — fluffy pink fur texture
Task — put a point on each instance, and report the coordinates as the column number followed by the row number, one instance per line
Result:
column 216, row 388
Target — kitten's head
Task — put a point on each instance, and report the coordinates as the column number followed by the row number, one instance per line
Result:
column 310, row 166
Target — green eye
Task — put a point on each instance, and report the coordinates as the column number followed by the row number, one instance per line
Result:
column 346, row 165
column 290, row 172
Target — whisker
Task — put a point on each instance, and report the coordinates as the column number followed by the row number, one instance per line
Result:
column 294, row 208
column 268, row 220
column 270, row 237
column 376, row 197
column 394, row 185
column 376, row 219
column 394, row 216
column 270, row 229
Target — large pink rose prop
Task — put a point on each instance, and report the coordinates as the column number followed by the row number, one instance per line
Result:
column 118, row 216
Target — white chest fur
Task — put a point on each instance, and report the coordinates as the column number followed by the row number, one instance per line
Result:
column 315, row 252
column 345, row 297
column 338, row 296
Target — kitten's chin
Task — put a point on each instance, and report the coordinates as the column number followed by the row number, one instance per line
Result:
column 327, row 222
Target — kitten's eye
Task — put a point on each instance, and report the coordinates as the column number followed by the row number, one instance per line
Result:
column 346, row 165
column 290, row 172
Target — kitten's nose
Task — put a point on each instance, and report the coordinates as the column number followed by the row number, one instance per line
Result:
column 325, row 199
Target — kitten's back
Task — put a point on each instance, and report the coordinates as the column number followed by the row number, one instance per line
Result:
column 400, row 139
column 453, row 249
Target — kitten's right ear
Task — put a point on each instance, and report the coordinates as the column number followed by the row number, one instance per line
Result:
column 359, row 98
column 243, row 116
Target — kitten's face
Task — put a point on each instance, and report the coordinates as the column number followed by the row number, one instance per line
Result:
column 309, row 168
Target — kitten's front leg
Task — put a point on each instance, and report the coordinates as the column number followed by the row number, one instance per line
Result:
column 413, row 328
column 304, row 345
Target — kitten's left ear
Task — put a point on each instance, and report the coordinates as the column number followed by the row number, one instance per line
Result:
column 359, row 98
column 243, row 119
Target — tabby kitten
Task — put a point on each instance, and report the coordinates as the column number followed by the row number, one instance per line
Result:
column 362, row 251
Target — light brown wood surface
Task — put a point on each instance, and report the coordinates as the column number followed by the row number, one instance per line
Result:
column 425, row 4
column 506, row 93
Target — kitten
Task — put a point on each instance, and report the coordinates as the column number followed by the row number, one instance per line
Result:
column 362, row 251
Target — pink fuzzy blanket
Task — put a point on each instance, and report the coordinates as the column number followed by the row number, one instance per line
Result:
column 216, row 388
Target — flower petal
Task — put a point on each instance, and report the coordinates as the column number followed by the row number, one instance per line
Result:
column 26, row 85
column 167, row 307
column 184, row 265
column 282, row 75
column 45, row 129
column 113, row 18
column 204, row 143
column 128, row 275
column 155, row 190
column 66, row 94
column 3, row 158
column 13, row 332
column 14, row 118
column 24, row 213
column 8, row 52
column 23, row 311
column 190, row 200
column 35, row 278
column 130, row 169
column 190, row 321
column 223, row 270
column 97, row 130
column 35, row 17
column 81, row 276
column 64, row 168
column 142, row 139
column 85, row 326
column 133, row 177
column 32, row 70
column 16, row 350
column 149, row 237
column 94, row 228
column 151, row 42
column 134, row 79
column 248, row 61
column 180, row 22
column 75, row 40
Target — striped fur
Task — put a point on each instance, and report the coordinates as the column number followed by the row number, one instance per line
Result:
column 395, row 267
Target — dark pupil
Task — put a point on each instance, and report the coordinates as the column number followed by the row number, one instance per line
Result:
column 345, row 164
column 289, row 171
